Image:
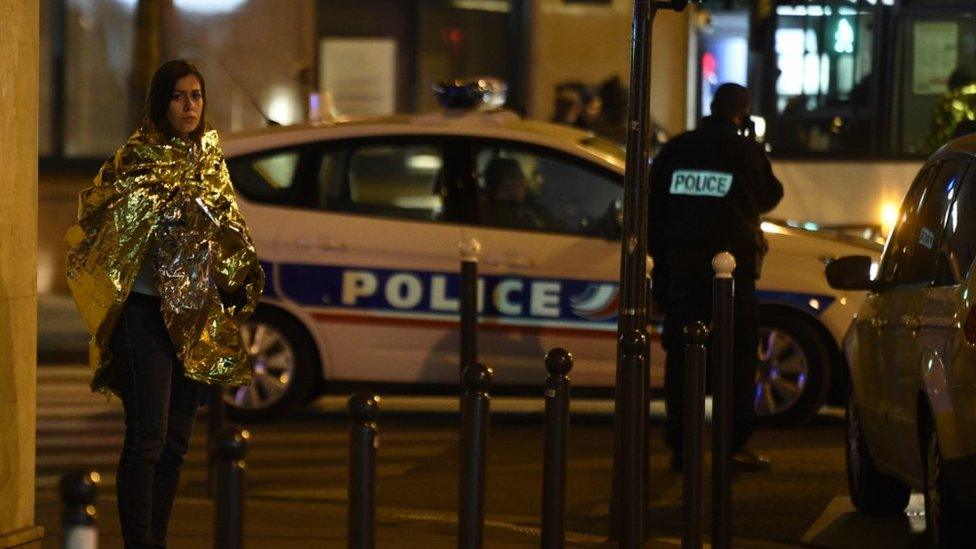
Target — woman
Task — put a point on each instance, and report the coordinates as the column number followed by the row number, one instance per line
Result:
column 163, row 270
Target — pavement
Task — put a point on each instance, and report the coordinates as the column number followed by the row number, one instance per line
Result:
column 802, row 502
column 298, row 523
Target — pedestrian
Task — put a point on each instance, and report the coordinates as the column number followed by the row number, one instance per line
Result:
column 707, row 190
column 569, row 106
column 164, row 272
column 957, row 106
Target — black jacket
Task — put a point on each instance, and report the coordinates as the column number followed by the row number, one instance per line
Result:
column 708, row 188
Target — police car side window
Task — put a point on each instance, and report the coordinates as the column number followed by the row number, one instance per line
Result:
column 531, row 189
column 267, row 177
column 394, row 180
column 960, row 248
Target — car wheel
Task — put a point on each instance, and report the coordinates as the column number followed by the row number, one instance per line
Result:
column 871, row 490
column 944, row 521
column 285, row 365
column 793, row 372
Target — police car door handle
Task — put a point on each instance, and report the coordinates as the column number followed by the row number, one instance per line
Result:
column 323, row 244
column 519, row 262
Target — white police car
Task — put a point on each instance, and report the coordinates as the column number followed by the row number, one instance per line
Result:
column 358, row 225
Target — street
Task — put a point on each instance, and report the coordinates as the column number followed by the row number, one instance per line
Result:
column 303, row 462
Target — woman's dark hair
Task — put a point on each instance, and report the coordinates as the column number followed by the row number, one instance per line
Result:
column 161, row 93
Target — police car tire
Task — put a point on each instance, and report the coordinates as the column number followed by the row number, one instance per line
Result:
column 306, row 368
column 871, row 490
column 806, row 334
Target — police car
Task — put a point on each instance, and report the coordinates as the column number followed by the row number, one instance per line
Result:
column 358, row 225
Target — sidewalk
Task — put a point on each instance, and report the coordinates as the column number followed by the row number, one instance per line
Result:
column 297, row 523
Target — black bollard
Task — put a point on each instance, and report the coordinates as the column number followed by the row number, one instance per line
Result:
column 723, row 291
column 474, row 439
column 229, row 499
column 558, row 363
column 693, row 434
column 631, row 388
column 364, row 409
column 470, row 251
column 215, row 423
column 78, row 492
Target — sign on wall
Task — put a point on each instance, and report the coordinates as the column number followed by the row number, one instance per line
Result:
column 360, row 73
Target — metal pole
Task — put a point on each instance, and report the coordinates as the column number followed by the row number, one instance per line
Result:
column 633, row 253
column 215, row 424
column 558, row 363
column 229, row 501
column 696, row 335
column 78, row 492
column 470, row 253
column 364, row 410
column 474, row 438
column 630, row 392
column 646, row 454
column 723, row 290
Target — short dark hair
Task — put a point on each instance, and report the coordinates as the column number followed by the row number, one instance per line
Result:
column 730, row 100
column 161, row 93
column 959, row 78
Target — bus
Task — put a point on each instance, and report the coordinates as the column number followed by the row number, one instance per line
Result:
column 844, row 94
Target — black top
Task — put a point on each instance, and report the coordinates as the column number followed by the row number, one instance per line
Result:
column 708, row 188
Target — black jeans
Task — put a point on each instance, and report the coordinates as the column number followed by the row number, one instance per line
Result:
column 689, row 298
column 160, row 403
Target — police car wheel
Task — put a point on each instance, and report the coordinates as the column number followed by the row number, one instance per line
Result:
column 793, row 372
column 284, row 366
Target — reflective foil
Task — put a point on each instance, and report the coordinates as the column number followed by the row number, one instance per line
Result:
column 170, row 201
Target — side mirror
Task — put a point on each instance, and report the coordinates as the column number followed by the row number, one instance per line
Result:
column 851, row 272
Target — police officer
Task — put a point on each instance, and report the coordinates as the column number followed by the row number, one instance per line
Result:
column 707, row 190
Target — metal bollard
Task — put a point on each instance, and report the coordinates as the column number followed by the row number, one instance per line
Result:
column 215, row 423
column 229, row 500
column 474, row 438
column 723, row 292
column 78, row 492
column 558, row 363
column 633, row 414
column 364, row 409
column 470, row 252
column 696, row 335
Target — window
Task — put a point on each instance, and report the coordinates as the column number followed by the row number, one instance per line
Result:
column 267, row 177
column 914, row 246
column 825, row 80
column 524, row 189
column 934, row 56
column 960, row 246
column 395, row 180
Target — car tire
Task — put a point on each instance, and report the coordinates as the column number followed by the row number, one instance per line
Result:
column 285, row 365
column 945, row 520
column 871, row 491
column 794, row 369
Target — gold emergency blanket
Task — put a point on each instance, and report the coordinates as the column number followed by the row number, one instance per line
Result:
column 951, row 109
column 170, row 202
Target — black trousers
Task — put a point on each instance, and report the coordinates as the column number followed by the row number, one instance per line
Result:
column 160, row 404
column 686, row 298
